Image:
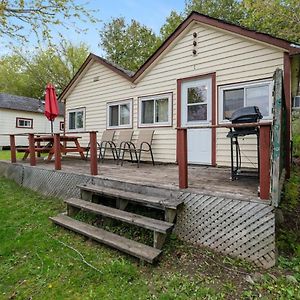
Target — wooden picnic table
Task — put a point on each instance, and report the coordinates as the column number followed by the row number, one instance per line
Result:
column 49, row 147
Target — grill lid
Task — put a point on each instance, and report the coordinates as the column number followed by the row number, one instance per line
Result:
column 248, row 114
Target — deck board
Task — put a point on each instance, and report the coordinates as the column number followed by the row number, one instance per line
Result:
column 202, row 179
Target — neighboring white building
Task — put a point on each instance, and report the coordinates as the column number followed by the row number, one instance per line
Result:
column 227, row 66
column 25, row 115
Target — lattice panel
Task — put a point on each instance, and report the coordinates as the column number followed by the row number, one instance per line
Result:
column 239, row 228
column 53, row 183
column 12, row 171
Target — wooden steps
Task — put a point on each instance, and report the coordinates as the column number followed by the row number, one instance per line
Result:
column 123, row 197
column 131, row 247
column 160, row 228
column 124, row 216
column 156, row 201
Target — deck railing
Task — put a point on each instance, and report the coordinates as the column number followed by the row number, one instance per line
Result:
column 264, row 153
column 182, row 154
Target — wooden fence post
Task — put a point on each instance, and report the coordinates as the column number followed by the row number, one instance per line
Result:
column 265, row 155
column 93, row 153
column 32, row 149
column 13, row 156
column 182, row 157
column 57, row 151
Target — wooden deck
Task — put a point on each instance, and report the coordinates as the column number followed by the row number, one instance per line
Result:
column 202, row 179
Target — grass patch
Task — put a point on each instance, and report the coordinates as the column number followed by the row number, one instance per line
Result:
column 41, row 261
column 5, row 155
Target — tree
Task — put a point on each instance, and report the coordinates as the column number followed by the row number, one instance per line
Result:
column 128, row 45
column 20, row 18
column 278, row 18
column 172, row 21
column 27, row 74
column 227, row 10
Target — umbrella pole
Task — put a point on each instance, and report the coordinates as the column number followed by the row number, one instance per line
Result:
column 51, row 127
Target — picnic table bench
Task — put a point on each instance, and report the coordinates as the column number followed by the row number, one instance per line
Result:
column 49, row 147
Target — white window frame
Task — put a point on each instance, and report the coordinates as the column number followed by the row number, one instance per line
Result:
column 118, row 103
column 142, row 99
column 26, row 120
column 245, row 85
column 75, row 110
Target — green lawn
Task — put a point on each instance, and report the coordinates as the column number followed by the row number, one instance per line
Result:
column 41, row 261
column 5, row 155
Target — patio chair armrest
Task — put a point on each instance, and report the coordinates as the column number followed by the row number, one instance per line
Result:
column 141, row 146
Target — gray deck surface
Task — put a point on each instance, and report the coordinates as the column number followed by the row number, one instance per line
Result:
column 202, row 179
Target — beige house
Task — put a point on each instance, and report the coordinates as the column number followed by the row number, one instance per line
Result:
column 205, row 70
column 24, row 115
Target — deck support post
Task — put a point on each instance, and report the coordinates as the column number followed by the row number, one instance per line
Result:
column 121, row 204
column 159, row 239
column 72, row 211
column 57, row 151
column 32, row 149
column 93, row 153
column 86, row 195
column 265, row 164
column 13, row 157
column 182, row 157
column 170, row 215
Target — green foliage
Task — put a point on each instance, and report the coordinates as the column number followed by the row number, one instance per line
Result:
column 172, row 21
column 227, row 10
column 128, row 45
column 288, row 230
column 296, row 134
column 5, row 155
column 27, row 74
column 278, row 18
column 20, row 19
column 292, row 190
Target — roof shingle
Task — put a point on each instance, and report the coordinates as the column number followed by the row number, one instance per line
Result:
column 14, row 102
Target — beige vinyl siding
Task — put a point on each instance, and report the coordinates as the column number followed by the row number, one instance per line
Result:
column 8, row 125
column 234, row 59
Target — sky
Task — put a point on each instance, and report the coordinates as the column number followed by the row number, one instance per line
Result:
column 151, row 13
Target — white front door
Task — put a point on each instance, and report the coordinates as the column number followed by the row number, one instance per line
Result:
column 196, row 98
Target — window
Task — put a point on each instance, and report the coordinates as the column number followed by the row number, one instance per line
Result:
column 24, row 123
column 155, row 110
column 61, row 125
column 234, row 97
column 119, row 114
column 197, row 103
column 76, row 119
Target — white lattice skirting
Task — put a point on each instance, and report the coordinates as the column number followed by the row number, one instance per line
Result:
column 239, row 228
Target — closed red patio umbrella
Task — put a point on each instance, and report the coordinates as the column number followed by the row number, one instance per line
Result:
column 51, row 105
